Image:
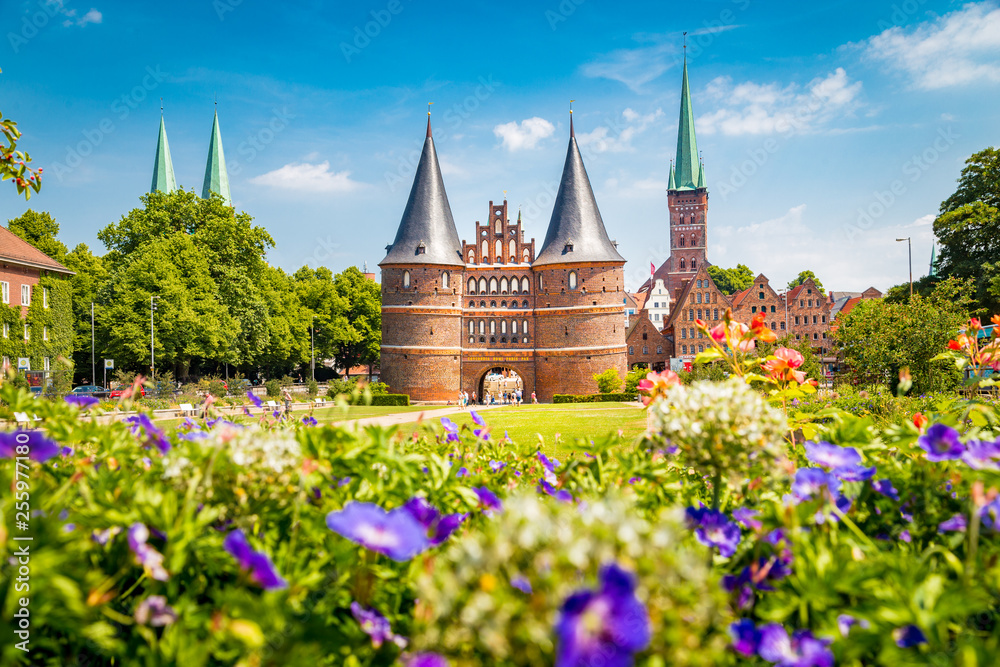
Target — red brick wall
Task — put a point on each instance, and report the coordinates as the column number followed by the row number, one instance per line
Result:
column 813, row 312
column 17, row 276
column 653, row 339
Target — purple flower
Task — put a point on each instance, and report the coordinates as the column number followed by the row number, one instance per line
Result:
column 440, row 527
column 550, row 464
column 497, row 466
column 561, row 495
column 854, row 473
column 82, row 402
column 941, row 443
column 309, row 421
column 885, row 487
column 256, row 562
column 980, row 454
column 255, row 399
column 396, row 534
column 483, row 433
column 426, row 660
column 746, row 517
column 451, row 428
column 374, row 625
column 154, row 611
column 476, row 418
column 956, row 523
column 799, row 650
column 745, row 636
column 608, row 625
column 521, row 584
column 488, row 500
column 40, row 448
column 714, row 529
column 905, row 536
column 831, row 456
column 446, row 526
column 909, row 636
column 145, row 555
column 846, row 621
column 990, row 515
column 142, row 427
column 102, row 537
column 810, row 482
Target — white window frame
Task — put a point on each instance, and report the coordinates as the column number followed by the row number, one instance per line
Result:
column 27, row 333
column 6, row 330
column 45, row 297
column 5, row 287
column 25, row 295
column 45, row 333
column 45, row 364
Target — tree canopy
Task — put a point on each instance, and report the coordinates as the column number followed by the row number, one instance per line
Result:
column 40, row 230
column 804, row 276
column 730, row 281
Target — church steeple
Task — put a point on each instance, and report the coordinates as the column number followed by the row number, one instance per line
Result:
column 576, row 230
column 689, row 175
column 163, row 166
column 216, row 176
column 427, row 233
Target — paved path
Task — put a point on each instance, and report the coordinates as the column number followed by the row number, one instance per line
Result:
column 431, row 414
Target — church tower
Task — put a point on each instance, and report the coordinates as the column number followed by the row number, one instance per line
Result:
column 687, row 202
column 579, row 283
column 163, row 166
column 216, row 176
column 422, row 276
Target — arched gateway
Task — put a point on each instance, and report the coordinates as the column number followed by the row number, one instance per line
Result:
column 499, row 384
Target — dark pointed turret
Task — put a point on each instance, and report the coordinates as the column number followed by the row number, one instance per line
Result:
column 427, row 233
column 576, row 231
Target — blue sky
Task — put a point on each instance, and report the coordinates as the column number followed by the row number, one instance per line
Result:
column 827, row 129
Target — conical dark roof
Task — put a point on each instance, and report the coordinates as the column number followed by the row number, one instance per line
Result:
column 576, row 231
column 427, row 233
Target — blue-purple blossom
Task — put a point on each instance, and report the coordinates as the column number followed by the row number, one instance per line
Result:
column 956, row 523
column 488, row 500
column 451, row 428
column 439, row 527
column 909, row 636
column 559, row 494
column 462, row 472
column 714, row 529
column 747, row 518
column 846, row 621
column 40, row 448
column 145, row 555
column 476, row 418
column 257, row 563
column 521, row 584
column 885, row 487
column 255, row 399
column 104, row 536
column 142, row 427
column 82, row 402
column 802, row 649
column 990, row 515
column 497, row 466
column 982, row 454
column 396, row 534
column 375, row 625
column 854, row 473
column 941, row 443
column 309, row 421
column 811, row 482
column 426, row 660
column 608, row 625
column 831, row 456
column 746, row 637
column 155, row 612
column 905, row 536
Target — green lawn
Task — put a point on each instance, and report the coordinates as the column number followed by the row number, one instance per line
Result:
column 331, row 414
column 567, row 421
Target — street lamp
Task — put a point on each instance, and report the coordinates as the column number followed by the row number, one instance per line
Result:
column 312, row 346
column 152, row 352
column 909, row 246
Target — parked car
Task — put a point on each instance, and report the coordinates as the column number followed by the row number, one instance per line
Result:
column 90, row 390
column 117, row 393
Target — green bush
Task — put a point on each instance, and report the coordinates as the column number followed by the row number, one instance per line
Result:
column 341, row 386
column 608, row 382
column 593, row 398
column 390, row 399
column 312, row 387
column 217, row 388
column 633, row 378
column 273, row 388
column 378, row 387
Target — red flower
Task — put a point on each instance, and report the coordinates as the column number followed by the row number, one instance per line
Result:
column 953, row 345
column 919, row 421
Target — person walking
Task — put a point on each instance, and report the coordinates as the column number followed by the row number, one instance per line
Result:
column 534, row 399
column 287, row 395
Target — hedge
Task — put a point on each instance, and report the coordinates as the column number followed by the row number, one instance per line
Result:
column 593, row 398
column 390, row 399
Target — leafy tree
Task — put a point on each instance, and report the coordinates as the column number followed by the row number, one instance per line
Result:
column 806, row 275
column 979, row 182
column 633, row 378
column 608, row 382
column 91, row 274
column 40, row 230
column 14, row 163
column 731, row 281
column 364, row 312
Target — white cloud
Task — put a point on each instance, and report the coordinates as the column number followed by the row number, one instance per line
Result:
column 952, row 50
column 633, row 67
column 92, row 16
column 526, row 135
column 306, row 177
column 754, row 108
column 616, row 136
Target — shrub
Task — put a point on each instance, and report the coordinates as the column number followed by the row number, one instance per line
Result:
column 217, row 387
column 390, row 399
column 593, row 398
column 608, row 382
column 378, row 387
column 341, row 386
column 633, row 378
column 312, row 387
column 273, row 388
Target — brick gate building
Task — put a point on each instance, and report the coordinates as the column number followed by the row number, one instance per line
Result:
column 452, row 311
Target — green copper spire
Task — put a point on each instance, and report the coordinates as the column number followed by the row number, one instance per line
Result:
column 216, row 176
column 163, row 167
column 687, row 145
column 701, row 175
column 672, row 185
column 933, row 271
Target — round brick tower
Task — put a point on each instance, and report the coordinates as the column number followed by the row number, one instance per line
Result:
column 579, row 286
column 422, row 276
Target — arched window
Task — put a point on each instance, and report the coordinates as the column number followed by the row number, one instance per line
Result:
column 486, row 252
column 498, row 227
column 513, row 285
column 493, row 304
column 499, row 250
column 503, row 285
column 472, row 327
column 572, row 279
column 682, row 240
column 659, row 349
column 524, row 304
column 524, row 256
column 493, row 327
column 493, row 285
column 524, row 326
column 525, row 285
column 482, row 285
column 512, row 250
column 482, row 327
column 513, row 326
column 694, row 263
column 472, row 304
column 472, row 285
column 631, row 349
column 503, row 304
column 406, row 278
column 645, row 349
column 774, row 325
column 503, row 326
column 472, row 257
column 699, row 297
column 445, row 280
column 684, row 349
column 683, row 263
column 541, row 285
column 715, row 314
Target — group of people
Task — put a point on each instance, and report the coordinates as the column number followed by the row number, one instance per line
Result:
column 515, row 397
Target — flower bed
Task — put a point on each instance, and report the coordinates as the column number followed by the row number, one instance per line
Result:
column 715, row 540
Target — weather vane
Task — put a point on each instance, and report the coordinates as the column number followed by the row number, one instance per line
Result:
column 685, row 39
column 429, row 108
column 571, row 105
